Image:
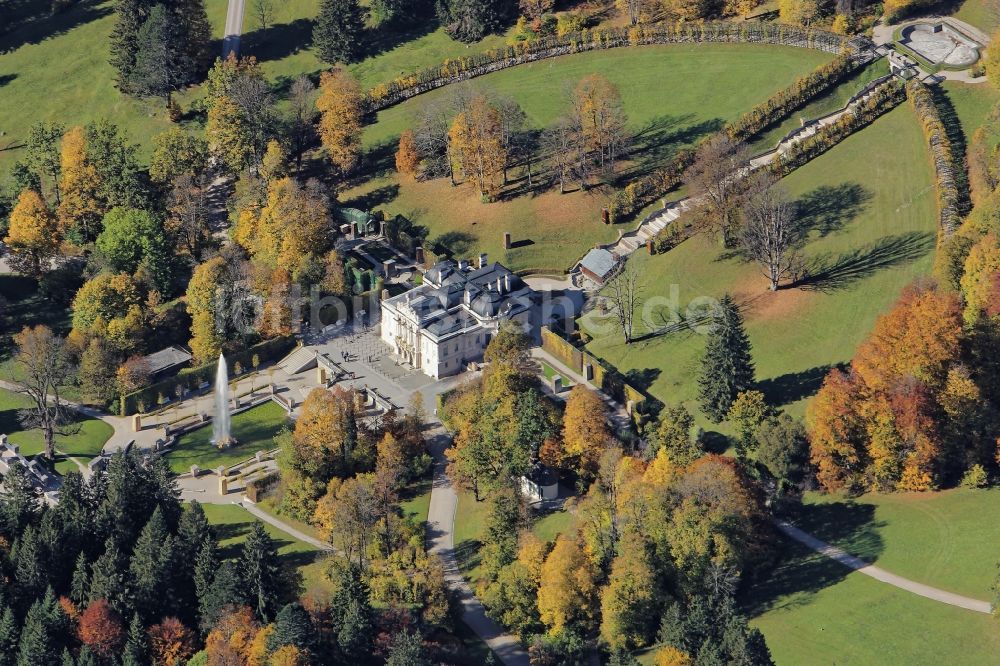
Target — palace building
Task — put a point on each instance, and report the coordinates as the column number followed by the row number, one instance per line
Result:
column 445, row 323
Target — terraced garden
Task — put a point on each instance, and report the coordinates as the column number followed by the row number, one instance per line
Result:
column 869, row 206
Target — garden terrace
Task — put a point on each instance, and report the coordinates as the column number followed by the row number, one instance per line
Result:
column 673, row 95
column 870, row 210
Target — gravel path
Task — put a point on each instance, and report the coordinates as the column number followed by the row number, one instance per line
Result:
column 441, row 541
column 867, row 569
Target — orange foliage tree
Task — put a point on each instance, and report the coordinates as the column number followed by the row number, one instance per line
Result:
column 407, row 157
column 101, row 629
column 880, row 425
column 171, row 643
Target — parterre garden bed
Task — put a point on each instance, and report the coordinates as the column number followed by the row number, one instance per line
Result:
column 253, row 429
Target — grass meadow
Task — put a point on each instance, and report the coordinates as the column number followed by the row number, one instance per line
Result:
column 673, row 95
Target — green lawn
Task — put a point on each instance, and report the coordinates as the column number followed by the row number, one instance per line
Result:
column 85, row 437
column 470, row 521
column 869, row 204
column 233, row 524
column 945, row 539
column 972, row 103
column 812, row 611
column 253, row 429
column 673, row 95
column 978, row 13
column 415, row 500
column 56, row 68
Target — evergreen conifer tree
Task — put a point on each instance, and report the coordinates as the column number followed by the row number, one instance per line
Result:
column 726, row 367
column 130, row 15
column 260, row 572
column 79, row 589
column 225, row 592
column 42, row 634
column 137, row 646
column 67, row 658
column 86, row 657
column 151, row 570
column 339, row 31
column 9, row 634
column 30, row 572
column 292, row 626
column 407, row 649
column 109, row 578
column 161, row 66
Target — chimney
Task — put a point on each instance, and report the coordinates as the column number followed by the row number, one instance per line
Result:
column 463, row 265
column 499, row 285
column 506, row 282
column 483, row 262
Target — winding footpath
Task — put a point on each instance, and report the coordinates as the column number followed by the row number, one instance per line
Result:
column 441, row 541
column 862, row 567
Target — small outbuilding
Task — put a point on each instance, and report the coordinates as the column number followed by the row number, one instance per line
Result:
column 599, row 265
column 540, row 483
column 167, row 362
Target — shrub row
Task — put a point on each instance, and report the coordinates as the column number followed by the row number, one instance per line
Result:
column 258, row 488
column 643, row 191
column 682, row 32
column 190, row 379
column 946, row 164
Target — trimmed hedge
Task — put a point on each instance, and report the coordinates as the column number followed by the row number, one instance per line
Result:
column 946, row 164
column 452, row 71
column 643, row 191
column 261, row 486
column 192, row 378
column 606, row 377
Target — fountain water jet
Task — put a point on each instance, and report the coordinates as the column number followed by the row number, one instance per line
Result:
column 220, row 424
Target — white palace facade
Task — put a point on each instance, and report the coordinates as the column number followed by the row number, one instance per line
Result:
column 445, row 323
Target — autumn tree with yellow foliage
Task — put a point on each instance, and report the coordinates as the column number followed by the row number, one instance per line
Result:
column 585, row 431
column 476, row 143
column 567, row 592
column 203, row 304
column 407, row 156
column 80, row 209
column 33, row 235
column 292, row 230
column 907, row 416
column 340, row 104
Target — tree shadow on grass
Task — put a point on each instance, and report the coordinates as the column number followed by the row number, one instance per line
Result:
column 827, row 273
column 827, row 208
column 794, row 386
column 453, row 243
column 6, row 78
column 642, row 379
column 38, row 24
column 279, row 41
column 467, row 554
column 380, row 196
column 389, row 37
column 801, row 573
column 655, row 144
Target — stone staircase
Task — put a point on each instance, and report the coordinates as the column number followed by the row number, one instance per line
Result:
column 658, row 220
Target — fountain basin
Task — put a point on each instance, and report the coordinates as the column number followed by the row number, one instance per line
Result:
column 940, row 44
